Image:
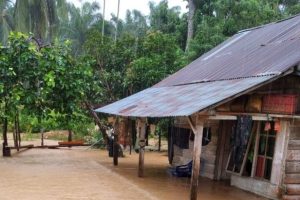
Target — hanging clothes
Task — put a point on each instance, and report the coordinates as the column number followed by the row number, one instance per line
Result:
column 240, row 138
column 170, row 144
column 206, row 136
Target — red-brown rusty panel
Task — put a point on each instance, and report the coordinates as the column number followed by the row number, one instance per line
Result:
column 181, row 100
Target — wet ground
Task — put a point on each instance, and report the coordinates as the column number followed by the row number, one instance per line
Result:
column 78, row 173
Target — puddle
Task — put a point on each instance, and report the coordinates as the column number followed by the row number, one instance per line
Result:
column 78, row 173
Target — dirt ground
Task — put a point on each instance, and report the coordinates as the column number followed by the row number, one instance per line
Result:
column 81, row 173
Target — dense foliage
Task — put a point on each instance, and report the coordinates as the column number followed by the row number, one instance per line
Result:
column 67, row 63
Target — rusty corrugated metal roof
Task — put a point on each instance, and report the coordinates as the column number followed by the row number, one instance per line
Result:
column 181, row 100
column 272, row 48
column 245, row 61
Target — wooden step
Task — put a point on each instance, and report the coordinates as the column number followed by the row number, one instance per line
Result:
column 292, row 179
column 293, row 155
column 294, row 145
column 293, row 189
column 291, row 197
column 295, row 133
column 292, row 167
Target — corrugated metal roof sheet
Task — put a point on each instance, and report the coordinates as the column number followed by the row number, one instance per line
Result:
column 271, row 48
column 181, row 100
column 246, row 60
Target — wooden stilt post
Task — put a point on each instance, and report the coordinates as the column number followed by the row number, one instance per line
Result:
column 198, row 131
column 115, row 144
column 141, row 128
column 159, row 140
column 130, row 135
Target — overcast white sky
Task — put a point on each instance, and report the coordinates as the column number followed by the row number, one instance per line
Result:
column 141, row 5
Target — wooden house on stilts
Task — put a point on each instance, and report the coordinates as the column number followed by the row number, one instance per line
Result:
column 244, row 95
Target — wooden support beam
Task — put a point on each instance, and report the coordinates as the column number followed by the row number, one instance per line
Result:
column 115, row 144
column 220, row 151
column 198, row 131
column 141, row 129
column 159, row 141
column 280, row 153
column 129, row 135
column 255, row 116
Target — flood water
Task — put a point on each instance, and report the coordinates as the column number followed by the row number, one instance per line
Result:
column 78, row 173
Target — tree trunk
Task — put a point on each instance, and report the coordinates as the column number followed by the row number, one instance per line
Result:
column 5, row 143
column 15, row 134
column 190, row 33
column 97, row 121
column 117, row 22
column 42, row 137
column 103, row 22
column 18, row 129
column 70, row 135
column 142, row 126
column 18, row 134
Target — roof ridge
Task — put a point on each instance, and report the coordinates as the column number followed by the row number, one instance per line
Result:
column 264, row 25
column 234, row 78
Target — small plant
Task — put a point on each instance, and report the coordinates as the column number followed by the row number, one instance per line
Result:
column 29, row 136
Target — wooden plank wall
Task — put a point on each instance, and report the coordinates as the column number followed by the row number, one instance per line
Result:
column 292, row 168
column 208, row 154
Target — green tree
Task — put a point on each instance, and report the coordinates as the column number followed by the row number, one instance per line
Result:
column 79, row 22
column 168, row 21
column 19, row 63
column 160, row 56
column 164, row 19
column 111, row 61
column 135, row 24
column 41, row 81
column 36, row 16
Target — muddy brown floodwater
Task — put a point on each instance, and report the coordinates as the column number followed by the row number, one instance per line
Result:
column 77, row 173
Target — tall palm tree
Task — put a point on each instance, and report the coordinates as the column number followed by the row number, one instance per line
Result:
column 118, row 12
column 103, row 21
column 6, row 20
column 78, row 22
column 36, row 16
